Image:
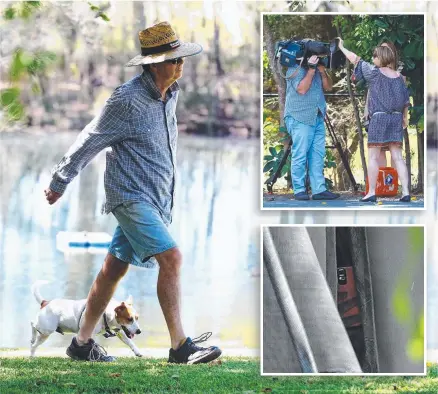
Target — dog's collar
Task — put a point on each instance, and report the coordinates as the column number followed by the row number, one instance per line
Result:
column 108, row 333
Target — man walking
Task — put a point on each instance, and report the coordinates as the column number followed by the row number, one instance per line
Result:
column 304, row 114
column 138, row 122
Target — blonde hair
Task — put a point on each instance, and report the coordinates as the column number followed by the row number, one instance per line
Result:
column 386, row 56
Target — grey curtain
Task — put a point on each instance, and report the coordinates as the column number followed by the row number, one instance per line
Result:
column 302, row 328
column 324, row 336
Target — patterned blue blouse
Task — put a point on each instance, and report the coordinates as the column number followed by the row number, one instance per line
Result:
column 387, row 98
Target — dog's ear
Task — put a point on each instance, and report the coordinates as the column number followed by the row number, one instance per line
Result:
column 129, row 300
column 119, row 309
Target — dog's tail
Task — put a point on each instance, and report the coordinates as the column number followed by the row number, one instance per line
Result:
column 36, row 292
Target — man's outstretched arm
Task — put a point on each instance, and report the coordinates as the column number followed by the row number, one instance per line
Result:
column 107, row 129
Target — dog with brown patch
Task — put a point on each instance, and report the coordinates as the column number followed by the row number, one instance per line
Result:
column 65, row 316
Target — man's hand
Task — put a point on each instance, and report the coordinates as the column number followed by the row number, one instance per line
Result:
column 52, row 196
column 321, row 68
column 313, row 61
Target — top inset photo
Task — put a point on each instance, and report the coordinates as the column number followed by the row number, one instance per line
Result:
column 343, row 98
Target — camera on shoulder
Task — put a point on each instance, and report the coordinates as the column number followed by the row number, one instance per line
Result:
column 292, row 52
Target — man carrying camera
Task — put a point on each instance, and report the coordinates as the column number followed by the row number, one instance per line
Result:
column 304, row 114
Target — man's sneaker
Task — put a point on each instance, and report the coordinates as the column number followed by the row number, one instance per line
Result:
column 302, row 196
column 91, row 351
column 189, row 353
column 326, row 195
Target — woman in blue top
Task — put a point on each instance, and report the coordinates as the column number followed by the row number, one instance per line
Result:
column 388, row 109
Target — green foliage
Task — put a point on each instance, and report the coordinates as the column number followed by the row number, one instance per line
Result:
column 271, row 126
column 269, row 84
column 272, row 161
column 10, row 103
column 402, row 305
column 329, row 160
column 99, row 12
column 23, row 10
column 23, row 64
column 27, row 63
column 9, row 13
column 318, row 27
column 362, row 33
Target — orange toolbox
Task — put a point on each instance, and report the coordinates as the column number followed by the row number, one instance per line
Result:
column 387, row 182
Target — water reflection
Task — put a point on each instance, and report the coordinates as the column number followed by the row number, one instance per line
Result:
column 214, row 223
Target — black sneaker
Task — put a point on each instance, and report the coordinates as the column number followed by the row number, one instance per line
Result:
column 189, row 353
column 91, row 351
column 302, row 196
column 326, row 195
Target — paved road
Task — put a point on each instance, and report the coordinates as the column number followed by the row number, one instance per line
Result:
column 283, row 201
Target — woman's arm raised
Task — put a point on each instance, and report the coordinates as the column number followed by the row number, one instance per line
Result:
column 352, row 57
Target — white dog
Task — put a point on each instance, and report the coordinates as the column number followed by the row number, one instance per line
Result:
column 65, row 316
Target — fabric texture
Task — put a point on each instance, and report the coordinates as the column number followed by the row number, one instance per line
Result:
column 387, row 97
column 291, row 316
column 141, row 234
column 355, row 240
column 141, row 130
column 308, row 151
column 389, row 291
column 308, row 288
column 304, row 107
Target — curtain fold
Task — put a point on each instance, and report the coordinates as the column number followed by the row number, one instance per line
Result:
column 305, row 283
column 362, row 273
column 285, row 300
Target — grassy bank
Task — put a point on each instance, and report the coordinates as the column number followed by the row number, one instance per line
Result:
column 229, row 375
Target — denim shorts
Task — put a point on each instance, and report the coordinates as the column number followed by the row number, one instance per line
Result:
column 141, row 234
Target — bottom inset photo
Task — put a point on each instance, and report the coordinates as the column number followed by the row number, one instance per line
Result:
column 343, row 300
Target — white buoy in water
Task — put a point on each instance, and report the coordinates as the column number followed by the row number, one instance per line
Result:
column 83, row 241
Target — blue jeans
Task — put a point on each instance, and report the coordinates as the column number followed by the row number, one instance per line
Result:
column 308, row 148
column 141, row 234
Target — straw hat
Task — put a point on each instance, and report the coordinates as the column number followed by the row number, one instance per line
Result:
column 160, row 43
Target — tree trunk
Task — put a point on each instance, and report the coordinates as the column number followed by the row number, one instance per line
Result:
column 408, row 156
column 280, row 81
column 358, row 122
column 420, row 144
column 217, row 49
column 194, row 68
column 139, row 20
column 356, row 115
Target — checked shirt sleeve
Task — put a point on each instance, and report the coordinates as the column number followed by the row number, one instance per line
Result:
column 295, row 75
column 107, row 129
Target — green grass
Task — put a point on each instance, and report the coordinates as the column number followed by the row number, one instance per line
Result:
column 230, row 375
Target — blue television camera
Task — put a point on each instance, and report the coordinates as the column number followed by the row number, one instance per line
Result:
column 288, row 51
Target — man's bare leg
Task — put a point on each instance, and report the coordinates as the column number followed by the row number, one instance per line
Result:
column 169, row 293
column 100, row 295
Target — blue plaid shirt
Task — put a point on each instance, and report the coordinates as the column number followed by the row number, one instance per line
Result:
column 141, row 130
column 304, row 107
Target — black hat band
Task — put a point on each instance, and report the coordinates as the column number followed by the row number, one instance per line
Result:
column 161, row 48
